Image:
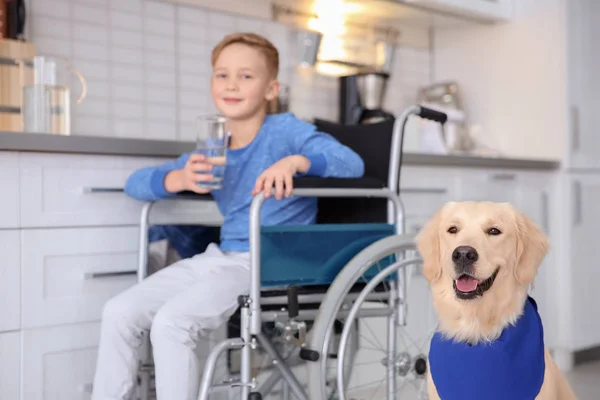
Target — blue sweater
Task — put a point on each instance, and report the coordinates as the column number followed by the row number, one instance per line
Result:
column 281, row 135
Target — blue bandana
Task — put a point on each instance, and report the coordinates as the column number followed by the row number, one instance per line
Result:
column 512, row 367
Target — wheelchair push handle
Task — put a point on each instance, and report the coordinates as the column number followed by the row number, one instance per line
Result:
column 433, row 115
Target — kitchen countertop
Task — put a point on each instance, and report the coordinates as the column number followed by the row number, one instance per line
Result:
column 32, row 142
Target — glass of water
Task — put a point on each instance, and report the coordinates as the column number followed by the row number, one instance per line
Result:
column 212, row 141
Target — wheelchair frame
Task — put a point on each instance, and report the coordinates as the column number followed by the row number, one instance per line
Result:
column 250, row 306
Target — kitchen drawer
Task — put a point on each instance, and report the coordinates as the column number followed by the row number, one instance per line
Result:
column 55, row 189
column 68, row 274
column 10, row 365
column 59, row 362
column 424, row 190
column 497, row 186
column 10, row 279
column 9, row 182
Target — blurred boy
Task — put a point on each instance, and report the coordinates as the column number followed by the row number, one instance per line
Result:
column 195, row 296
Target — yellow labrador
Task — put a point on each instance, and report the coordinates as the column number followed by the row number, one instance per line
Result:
column 480, row 258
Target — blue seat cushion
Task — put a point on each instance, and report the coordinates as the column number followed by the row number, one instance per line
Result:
column 314, row 254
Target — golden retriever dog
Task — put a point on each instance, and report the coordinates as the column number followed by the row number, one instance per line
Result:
column 480, row 258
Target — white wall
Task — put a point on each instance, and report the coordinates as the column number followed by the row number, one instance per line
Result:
column 148, row 64
column 512, row 77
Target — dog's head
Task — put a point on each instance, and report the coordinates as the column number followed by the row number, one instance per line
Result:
column 480, row 258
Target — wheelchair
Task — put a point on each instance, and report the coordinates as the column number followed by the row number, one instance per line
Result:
column 311, row 286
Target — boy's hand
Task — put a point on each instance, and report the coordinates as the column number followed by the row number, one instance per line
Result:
column 195, row 170
column 281, row 176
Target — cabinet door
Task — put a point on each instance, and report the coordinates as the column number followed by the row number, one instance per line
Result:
column 9, row 182
column 77, row 190
column 584, row 83
column 499, row 186
column 10, row 365
column 583, row 271
column 535, row 199
column 59, row 362
column 69, row 274
column 424, row 190
column 10, row 281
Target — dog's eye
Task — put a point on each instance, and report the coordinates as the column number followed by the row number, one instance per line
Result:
column 453, row 230
column 494, row 231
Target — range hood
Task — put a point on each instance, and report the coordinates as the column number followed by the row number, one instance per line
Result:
column 421, row 14
column 354, row 35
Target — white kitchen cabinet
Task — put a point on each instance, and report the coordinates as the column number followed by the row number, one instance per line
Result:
column 481, row 185
column 489, row 10
column 423, row 190
column 10, row 363
column 10, row 280
column 583, row 63
column 59, row 362
column 535, row 199
column 56, row 190
column 583, row 272
column 69, row 274
column 9, row 182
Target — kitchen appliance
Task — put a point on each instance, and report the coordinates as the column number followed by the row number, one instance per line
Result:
column 445, row 97
column 361, row 98
column 47, row 100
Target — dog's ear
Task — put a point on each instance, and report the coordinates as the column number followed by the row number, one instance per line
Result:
column 532, row 246
column 428, row 244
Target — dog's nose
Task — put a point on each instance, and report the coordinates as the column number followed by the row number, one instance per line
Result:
column 465, row 255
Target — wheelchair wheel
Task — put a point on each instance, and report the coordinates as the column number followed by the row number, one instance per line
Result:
column 360, row 359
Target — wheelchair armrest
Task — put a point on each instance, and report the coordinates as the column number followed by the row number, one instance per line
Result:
column 309, row 182
column 189, row 195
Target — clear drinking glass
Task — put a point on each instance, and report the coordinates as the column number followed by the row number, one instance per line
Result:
column 212, row 141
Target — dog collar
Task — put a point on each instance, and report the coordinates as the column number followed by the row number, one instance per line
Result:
column 511, row 367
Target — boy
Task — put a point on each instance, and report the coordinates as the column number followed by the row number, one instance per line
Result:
column 187, row 300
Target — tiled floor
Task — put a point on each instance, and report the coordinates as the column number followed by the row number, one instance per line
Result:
column 585, row 380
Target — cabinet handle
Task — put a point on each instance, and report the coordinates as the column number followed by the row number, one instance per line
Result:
column 102, row 190
column 577, row 208
column 503, row 177
column 575, row 129
column 545, row 213
column 109, row 274
column 86, row 388
column 416, row 228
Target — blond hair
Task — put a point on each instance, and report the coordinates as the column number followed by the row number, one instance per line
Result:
column 263, row 45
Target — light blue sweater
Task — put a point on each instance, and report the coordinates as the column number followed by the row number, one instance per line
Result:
column 281, row 135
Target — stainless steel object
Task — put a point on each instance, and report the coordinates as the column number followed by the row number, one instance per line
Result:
column 386, row 53
column 446, row 95
column 371, row 89
column 308, row 43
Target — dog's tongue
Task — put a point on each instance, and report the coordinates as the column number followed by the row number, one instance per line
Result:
column 466, row 283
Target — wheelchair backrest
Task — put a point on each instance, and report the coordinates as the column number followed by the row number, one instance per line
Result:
column 373, row 143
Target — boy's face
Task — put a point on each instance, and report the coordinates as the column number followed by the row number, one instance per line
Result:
column 241, row 84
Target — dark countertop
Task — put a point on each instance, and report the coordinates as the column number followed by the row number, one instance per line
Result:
column 31, row 142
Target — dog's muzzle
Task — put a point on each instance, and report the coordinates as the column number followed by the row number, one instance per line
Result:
column 464, row 258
